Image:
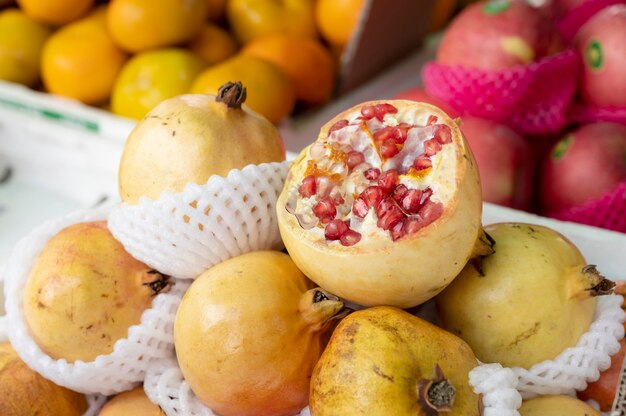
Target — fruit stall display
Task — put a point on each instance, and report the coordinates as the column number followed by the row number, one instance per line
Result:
column 365, row 273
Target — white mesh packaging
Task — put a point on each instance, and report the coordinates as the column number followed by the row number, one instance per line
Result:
column 498, row 388
column 165, row 385
column 183, row 234
column 151, row 339
column 576, row 366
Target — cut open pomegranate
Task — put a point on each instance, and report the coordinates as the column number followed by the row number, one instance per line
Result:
column 386, row 181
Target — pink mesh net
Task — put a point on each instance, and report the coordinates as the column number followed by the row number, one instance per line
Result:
column 569, row 24
column 588, row 114
column 608, row 211
column 532, row 99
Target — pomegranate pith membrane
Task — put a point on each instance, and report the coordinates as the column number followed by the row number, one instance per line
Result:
column 381, row 168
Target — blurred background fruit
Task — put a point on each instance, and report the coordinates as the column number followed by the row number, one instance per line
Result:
column 251, row 19
column 21, row 43
column 55, row 12
column 213, row 44
column 152, row 76
column 217, row 10
column 307, row 63
column 81, row 61
column 337, row 19
column 138, row 25
column 270, row 91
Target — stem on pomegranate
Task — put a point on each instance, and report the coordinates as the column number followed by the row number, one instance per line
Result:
column 319, row 307
column 160, row 284
column 435, row 395
column 599, row 285
column 233, row 94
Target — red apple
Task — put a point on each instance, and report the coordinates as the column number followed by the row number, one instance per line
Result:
column 602, row 44
column 504, row 162
column 583, row 165
column 420, row 95
column 496, row 34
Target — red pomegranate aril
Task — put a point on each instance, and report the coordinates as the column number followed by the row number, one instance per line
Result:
column 372, row 195
column 337, row 199
column 325, row 210
column 350, row 238
column 389, row 148
column 401, row 132
column 388, row 180
column 422, row 162
column 426, row 194
column 335, row 229
column 432, row 119
column 354, row 159
column 443, row 134
column 368, row 112
column 412, row 201
column 307, row 188
column 431, row 147
column 384, row 108
column 383, row 134
column 399, row 192
column 412, row 224
column 371, row 174
column 388, row 214
column 360, row 207
column 430, row 211
column 338, row 126
column 397, row 231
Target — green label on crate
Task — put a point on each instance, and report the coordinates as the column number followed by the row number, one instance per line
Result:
column 496, row 6
column 47, row 113
column 594, row 55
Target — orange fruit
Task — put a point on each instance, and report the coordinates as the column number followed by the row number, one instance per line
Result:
column 213, row 44
column 138, row 25
column 337, row 19
column 55, row 12
column 270, row 91
column 21, row 42
column 152, row 76
column 81, row 61
column 217, row 9
column 306, row 61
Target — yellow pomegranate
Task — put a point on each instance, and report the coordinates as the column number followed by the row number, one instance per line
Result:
column 385, row 207
column 385, row 361
column 527, row 302
column 26, row 393
column 188, row 138
column 84, row 292
column 133, row 402
column 249, row 332
column 556, row 406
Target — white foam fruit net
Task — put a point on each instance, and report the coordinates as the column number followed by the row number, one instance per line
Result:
column 576, row 366
column 124, row 368
column 183, row 234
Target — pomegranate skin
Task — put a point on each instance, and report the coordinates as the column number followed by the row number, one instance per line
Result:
column 495, row 35
column 583, row 165
column 602, row 44
column 504, row 162
column 378, row 270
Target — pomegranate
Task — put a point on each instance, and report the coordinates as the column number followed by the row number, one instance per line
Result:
column 604, row 389
column 249, row 332
column 527, row 302
column 420, row 95
column 585, row 164
column 504, row 162
column 23, row 392
column 556, row 406
column 385, row 361
column 602, row 44
column 411, row 209
column 133, row 402
column 496, row 34
column 188, row 138
column 84, row 292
